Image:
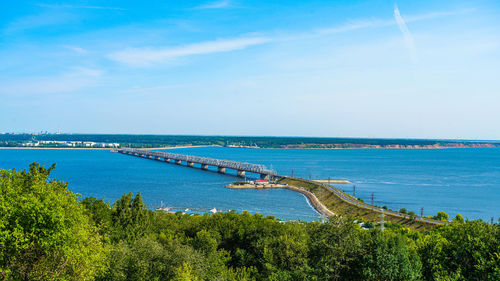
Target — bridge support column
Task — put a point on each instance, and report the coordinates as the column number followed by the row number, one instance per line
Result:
column 150, row 157
column 240, row 174
column 264, row 177
column 190, row 164
column 166, row 159
column 221, row 170
column 178, row 162
column 158, row 158
column 204, row 166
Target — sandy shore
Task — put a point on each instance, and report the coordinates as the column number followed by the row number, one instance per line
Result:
column 317, row 205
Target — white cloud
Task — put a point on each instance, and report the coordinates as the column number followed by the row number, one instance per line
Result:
column 147, row 56
column 215, row 5
column 410, row 43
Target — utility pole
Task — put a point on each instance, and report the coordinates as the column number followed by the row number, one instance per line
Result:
column 491, row 220
column 292, row 173
column 372, row 198
column 422, row 212
column 382, row 222
column 309, row 176
column 354, row 191
column 328, row 180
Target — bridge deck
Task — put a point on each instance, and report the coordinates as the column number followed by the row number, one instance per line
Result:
column 230, row 164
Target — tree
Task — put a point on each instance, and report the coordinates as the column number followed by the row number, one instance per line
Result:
column 44, row 231
column 388, row 256
column 100, row 212
column 334, row 249
column 130, row 217
column 458, row 218
column 442, row 216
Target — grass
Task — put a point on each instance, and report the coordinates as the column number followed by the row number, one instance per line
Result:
column 344, row 208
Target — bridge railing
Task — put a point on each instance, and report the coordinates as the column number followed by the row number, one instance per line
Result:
column 230, row 164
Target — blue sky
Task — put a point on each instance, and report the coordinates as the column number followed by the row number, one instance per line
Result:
column 406, row 69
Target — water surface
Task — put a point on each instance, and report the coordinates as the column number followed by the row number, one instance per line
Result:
column 465, row 181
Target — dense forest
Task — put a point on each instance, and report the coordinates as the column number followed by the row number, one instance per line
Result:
column 49, row 233
column 263, row 142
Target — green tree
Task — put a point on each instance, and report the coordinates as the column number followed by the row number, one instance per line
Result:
column 130, row 218
column 334, row 248
column 388, row 256
column 442, row 216
column 100, row 212
column 469, row 251
column 44, row 231
column 458, row 218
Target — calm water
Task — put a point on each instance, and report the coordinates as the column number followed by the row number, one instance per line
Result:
column 465, row 181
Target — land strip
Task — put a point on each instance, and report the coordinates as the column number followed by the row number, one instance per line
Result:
column 329, row 200
column 343, row 204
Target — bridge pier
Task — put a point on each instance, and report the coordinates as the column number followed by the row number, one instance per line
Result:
column 240, row 167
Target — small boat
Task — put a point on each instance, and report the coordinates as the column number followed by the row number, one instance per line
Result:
column 213, row 211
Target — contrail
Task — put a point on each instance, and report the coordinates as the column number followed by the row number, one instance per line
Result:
column 410, row 44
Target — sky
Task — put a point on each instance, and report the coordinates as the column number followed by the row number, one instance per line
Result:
column 376, row 69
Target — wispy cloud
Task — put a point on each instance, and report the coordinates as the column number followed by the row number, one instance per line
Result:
column 71, row 80
column 76, row 49
column 215, row 5
column 147, row 56
column 410, row 43
column 78, row 7
column 36, row 21
column 354, row 25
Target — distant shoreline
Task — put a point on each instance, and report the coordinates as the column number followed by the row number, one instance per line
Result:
column 248, row 147
column 102, row 148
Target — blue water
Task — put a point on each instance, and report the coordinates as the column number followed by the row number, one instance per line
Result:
column 465, row 181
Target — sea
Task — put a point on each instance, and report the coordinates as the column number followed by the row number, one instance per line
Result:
column 462, row 180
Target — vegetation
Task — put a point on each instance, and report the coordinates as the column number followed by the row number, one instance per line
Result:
column 343, row 208
column 264, row 142
column 47, row 234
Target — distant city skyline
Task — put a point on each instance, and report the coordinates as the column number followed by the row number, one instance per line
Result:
column 363, row 69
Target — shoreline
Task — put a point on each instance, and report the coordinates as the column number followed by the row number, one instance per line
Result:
column 104, row 148
column 289, row 148
column 313, row 200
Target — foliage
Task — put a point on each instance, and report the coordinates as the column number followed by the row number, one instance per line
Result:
column 442, row 216
column 44, row 231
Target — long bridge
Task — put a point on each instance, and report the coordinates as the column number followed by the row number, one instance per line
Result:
column 221, row 165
